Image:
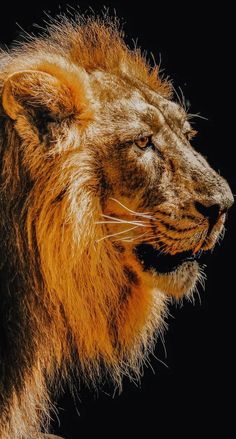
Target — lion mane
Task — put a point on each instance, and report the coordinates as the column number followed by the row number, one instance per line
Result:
column 70, row 299
column 60, row 294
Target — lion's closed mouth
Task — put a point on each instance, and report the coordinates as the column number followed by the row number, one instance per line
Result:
column 152, row 258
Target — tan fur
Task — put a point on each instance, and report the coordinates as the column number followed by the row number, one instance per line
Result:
column 73, row 103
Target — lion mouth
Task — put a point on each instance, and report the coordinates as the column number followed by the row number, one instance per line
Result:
column 153, row 259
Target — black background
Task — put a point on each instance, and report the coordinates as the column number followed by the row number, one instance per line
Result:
column 190, row 395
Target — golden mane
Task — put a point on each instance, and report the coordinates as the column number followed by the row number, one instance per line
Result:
column 65, row 281
column 94, row 44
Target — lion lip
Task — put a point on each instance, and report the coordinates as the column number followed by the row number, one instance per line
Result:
column 153, row 259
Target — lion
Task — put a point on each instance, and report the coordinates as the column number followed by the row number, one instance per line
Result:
column 105, row 209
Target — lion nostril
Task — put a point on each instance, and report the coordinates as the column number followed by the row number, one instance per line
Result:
column 210, row 212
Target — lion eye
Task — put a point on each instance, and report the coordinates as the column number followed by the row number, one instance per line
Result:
column 144, row 142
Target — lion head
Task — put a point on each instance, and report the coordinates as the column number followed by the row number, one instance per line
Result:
column 106, row 205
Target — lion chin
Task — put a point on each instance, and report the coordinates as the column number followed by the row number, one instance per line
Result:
column 175, row 275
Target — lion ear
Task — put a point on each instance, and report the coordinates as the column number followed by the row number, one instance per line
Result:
column 31, row 90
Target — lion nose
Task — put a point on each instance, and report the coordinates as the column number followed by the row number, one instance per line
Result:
column 210, row 212
column 213, row 211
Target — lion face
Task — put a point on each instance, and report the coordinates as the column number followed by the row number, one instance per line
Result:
column 161, row 201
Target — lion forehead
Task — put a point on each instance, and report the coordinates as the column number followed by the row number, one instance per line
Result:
column 122, row 98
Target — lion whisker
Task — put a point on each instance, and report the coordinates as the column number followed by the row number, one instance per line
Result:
column 122, row 221
column 131, row 239
column 193, row 115
column 118, row 219
column 118, row 222
column 115, row 234
column 128, row 239
column 221, row 235
column 139, row 236
column 143, row 214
